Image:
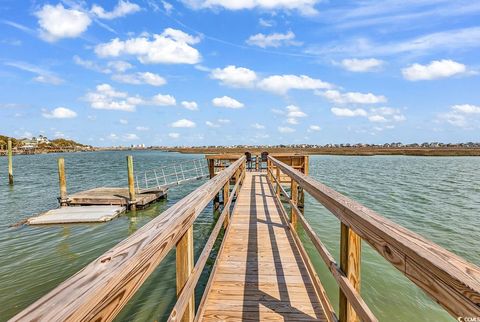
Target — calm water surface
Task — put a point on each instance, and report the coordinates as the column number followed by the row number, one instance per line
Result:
column 438, row 198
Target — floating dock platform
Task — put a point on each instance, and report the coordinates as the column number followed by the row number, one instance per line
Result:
column 71, row 215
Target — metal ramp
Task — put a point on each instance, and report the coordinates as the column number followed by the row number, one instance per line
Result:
column 170, row 175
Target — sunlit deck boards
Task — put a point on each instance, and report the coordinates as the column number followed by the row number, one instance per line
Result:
column 260, row 275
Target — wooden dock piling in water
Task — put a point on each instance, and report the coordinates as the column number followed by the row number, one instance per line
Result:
column 10, row 162
column 62, row 181
column 131, row 183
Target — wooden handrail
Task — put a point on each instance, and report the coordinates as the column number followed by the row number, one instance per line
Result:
column 189, row 288
column 347, row 288
column 450, row 280
column 100, row 290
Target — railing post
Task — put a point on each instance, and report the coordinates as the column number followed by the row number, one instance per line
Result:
column 301, row 194
column 277, row 175
column 226, row 195
column 350, row 262
column 62, row 181
column 184, row 268
column 294, row 198
column 10, row 162
column 131, row 183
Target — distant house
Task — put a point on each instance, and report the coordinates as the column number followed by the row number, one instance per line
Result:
column 28, row 144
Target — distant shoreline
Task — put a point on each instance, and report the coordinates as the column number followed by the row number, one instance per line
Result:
column 353, row 151
column 348, row 151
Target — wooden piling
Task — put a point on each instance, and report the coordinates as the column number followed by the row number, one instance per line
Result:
column 184, row 268
column 226, row 195
column 350, row 260
column 10, row 162
column 62, row 182
column 131, row 183
column 294, row 198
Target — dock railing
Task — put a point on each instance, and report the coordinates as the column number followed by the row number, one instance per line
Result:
column 447, row 278
column 100, row 290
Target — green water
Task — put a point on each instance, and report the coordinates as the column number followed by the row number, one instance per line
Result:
column 438, row 198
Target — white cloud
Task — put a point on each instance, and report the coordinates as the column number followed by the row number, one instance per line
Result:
column 211, row 124
column 183, row 123
column 305, row 7
column 234, row 76
column 174, row 135
column 43, row 75
column 123, row 121
column 292, row 121
column 361, row 65
column 294, row 112
column 192, row 106
column 345, row 112
column 105, row 97
column 142, row 128
column 266, row 23
column 140, row 78
column 170, row 47
column 168, row 7
column 314, row 128
column 119, row 65
column 57, row 22
column 281, row 84
column 436, row 69
column 59, row 113
column 122, row 8
column 223, row 121
column 352, row 97
column 273, row 40
column 285, row 129
column 227, row 102
column 386, row 114
column 454, row 119
column 258, row 126
column 377, row 118
column 163, row 100
column 466, row 108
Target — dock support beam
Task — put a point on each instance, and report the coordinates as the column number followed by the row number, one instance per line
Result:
column 226, row 196
column 350, row 261
column 62, row 182
column 131, row 183
column 10, row 162
column 185, row 265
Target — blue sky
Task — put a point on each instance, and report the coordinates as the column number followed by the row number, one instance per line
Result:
column 222, row 72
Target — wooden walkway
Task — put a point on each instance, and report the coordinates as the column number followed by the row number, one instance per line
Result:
column 260, row 274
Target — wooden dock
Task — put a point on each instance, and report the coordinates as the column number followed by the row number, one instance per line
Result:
column 74, row 215
column 260, row 274
column 114, row 196
column 262, row 271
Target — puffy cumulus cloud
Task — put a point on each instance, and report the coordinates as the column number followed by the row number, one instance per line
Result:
column 294, row 112
column 119, row 65
column 273, row 40
column 105, row 97
column 140, row 78
column 173, row 135
column 163, row 100
column 235, row 76
column 227, row 102
column 122, row 8
column 285, row 129
column 352, row 97
column 462, row 115
column 436, row 69
column 183, row 123
column 314, row 128
column 170, row 47
column 361, row 65
column 192, row 105
column 59, row 113
column 58, row 22
column 281, row 84
column 466, row 108
column 375, row 115
column 346, row 112
column 305, row 7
